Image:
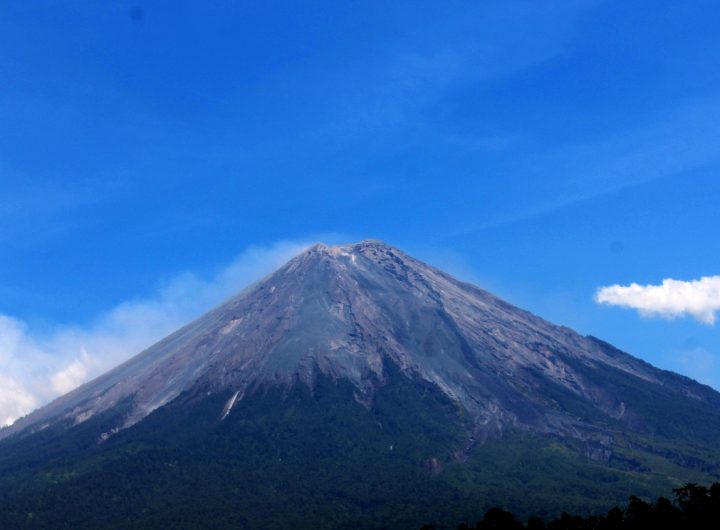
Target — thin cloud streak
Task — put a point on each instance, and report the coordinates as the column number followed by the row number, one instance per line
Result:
column 585, row 172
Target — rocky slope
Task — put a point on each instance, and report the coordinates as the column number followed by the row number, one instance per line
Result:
column 345, row 311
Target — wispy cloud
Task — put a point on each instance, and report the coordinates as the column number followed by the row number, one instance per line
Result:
column 35, row 368
column 699, row 299
column 673, row 143
column 15, row 400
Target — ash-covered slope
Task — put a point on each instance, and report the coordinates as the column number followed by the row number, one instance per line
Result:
column 346, row 311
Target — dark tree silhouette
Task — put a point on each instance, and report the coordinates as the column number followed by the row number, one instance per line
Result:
column 696, row 507
column 498, row 519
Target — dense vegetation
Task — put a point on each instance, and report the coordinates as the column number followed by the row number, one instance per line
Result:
column 695, row 507
column 296, row 458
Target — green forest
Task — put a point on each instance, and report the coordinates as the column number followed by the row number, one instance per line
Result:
column 317, row 459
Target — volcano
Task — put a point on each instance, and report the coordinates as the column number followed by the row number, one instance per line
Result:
column 357, row 387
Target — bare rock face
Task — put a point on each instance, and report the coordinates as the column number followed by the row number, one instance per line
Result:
column 346, row 312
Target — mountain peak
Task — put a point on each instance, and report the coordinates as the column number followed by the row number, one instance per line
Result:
column 365, row 254
column 347, row 312
column 366, row 246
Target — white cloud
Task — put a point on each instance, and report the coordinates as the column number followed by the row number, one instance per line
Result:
column 699, row 299
column 35, row 368
column 70, row 377
column 15, row 401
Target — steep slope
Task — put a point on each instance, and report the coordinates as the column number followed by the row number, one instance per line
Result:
column 399, row 372
column 343, row 311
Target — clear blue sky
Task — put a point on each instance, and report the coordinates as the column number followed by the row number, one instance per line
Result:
column 540, row 149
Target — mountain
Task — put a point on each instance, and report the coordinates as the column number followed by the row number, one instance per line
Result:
column 357, row 387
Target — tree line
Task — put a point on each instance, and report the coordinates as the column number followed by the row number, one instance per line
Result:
column 694, row 507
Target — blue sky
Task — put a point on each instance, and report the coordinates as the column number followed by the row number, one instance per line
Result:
column 540, row 149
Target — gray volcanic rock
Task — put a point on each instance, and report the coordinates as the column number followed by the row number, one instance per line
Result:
column 345, row 312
